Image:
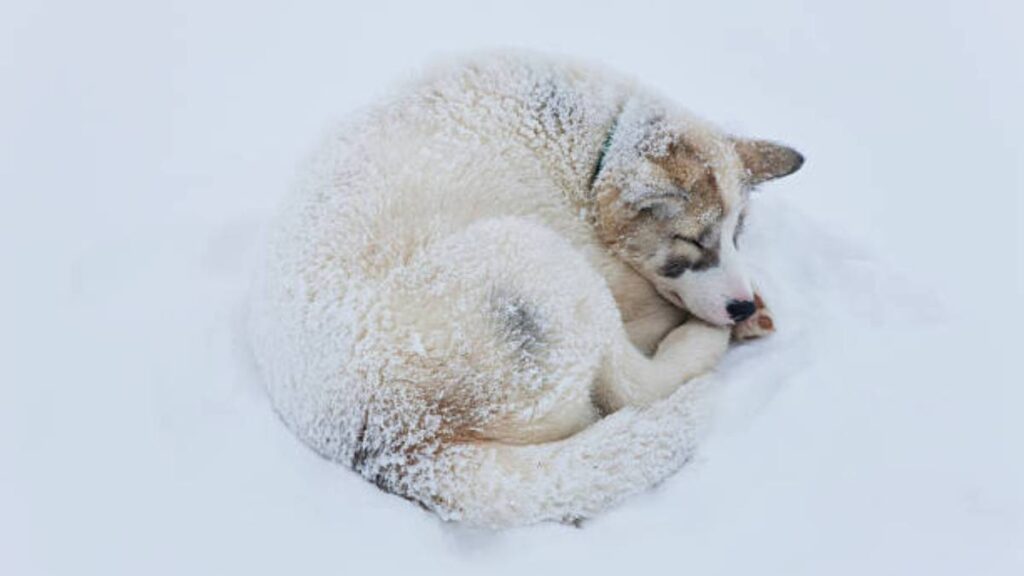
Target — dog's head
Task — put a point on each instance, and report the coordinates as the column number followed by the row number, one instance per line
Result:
column 671, row 194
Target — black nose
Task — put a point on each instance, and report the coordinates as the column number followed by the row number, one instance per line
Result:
column 740, row 310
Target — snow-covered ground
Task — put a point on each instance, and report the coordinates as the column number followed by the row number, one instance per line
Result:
column 144, row 145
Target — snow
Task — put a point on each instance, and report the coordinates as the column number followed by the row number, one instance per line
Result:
column 144, row 148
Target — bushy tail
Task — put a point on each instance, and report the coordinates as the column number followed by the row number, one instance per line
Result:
column 494, row 484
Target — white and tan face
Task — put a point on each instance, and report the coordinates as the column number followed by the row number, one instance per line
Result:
column 674, row 212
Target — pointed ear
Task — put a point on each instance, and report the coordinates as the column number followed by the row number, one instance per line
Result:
column 767, row 160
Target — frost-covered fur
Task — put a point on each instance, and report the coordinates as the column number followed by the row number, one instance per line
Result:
column 461, row 297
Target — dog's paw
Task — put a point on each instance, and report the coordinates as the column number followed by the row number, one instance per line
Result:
column 757, row 326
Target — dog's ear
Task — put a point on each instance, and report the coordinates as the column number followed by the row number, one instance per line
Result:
column 766, row 160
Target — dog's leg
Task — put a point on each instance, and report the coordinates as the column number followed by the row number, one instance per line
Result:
column 631, row 379
column 647, row 331
column 757, row 326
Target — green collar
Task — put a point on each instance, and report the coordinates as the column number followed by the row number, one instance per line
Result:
column 604, row 151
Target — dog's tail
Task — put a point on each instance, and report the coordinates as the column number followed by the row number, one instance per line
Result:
column 495, row 484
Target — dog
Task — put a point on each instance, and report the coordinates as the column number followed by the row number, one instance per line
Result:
column 487, row 291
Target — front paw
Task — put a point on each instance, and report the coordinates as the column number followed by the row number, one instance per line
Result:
column 757, row 326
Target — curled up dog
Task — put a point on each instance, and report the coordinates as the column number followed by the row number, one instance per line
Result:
column 487, row 293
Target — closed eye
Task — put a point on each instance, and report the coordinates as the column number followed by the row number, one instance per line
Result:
column 691, row 241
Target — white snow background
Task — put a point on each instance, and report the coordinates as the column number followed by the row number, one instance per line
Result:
column 144, row 145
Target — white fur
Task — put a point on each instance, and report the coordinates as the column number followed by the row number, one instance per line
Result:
column 377, row 317
column 706, row 293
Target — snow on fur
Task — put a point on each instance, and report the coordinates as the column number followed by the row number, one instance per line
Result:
column 406, row 229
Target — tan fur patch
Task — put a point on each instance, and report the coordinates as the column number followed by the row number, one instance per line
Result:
column 691, row 172
column 765, row 160
column 610, row 225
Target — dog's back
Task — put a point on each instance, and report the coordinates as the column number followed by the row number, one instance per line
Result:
column 398, row 284
column 436, row 307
